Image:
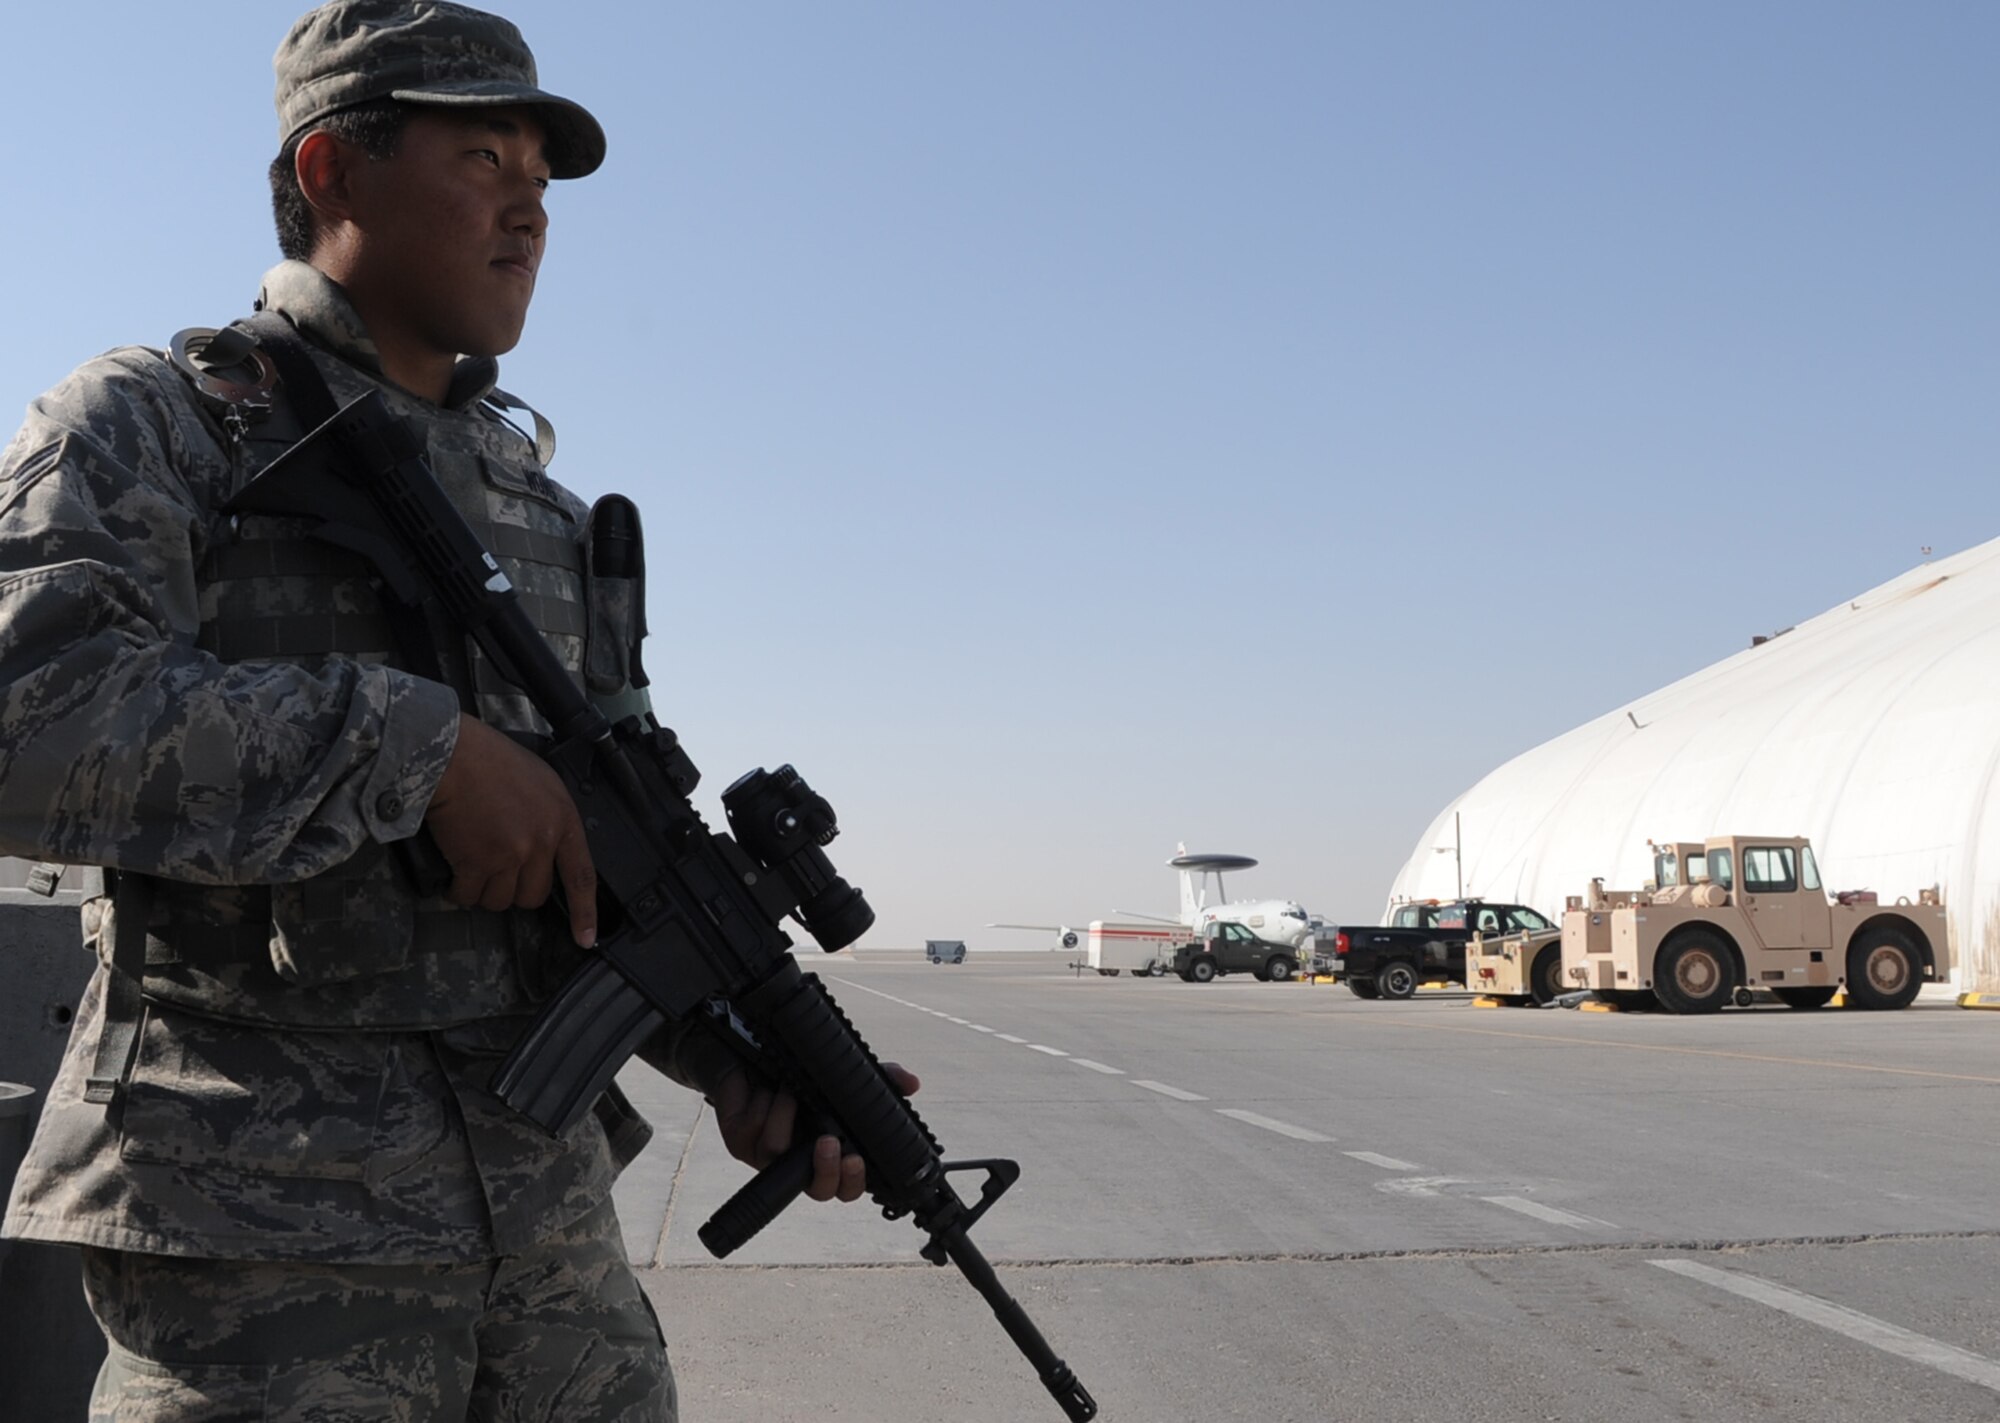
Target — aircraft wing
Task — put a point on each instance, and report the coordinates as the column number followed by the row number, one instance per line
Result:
column 1065, row 936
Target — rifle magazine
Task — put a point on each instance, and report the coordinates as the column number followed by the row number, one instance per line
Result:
column 574, row 1048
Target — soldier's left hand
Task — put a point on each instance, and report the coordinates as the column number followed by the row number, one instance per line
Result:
column 757, row 1123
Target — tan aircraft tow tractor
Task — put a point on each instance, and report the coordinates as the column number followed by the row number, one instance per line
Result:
column 1525, row 969
column 1746, row 912
column 1515, row 970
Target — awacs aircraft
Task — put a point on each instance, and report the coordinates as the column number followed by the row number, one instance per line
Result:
column 1279, row 920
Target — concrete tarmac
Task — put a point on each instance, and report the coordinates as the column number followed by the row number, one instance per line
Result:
column 1279, row 1202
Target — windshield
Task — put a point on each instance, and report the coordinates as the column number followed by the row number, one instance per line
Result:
column 1666, row 870
column 1527, row 919
column 1808, row 868
column 1720, row 871
column 1770, row 869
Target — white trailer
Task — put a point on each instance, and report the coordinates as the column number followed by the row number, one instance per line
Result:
column 1141, row 948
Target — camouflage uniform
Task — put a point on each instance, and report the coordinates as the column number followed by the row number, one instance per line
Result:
column 303, row 1185
column 559, row 1332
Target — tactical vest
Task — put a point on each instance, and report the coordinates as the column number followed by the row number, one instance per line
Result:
column 357, row 946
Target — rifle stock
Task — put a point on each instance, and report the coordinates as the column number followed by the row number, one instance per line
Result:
column 693, row 916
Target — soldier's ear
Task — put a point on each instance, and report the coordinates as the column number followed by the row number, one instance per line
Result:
column 325, row 168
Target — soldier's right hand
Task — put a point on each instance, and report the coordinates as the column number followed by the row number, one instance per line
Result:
column 507, row 826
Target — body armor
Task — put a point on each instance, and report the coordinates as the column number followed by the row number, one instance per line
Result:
column 359, row 946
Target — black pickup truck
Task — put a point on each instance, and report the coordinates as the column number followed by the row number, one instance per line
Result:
column 1231, row 948
column 1421, row 943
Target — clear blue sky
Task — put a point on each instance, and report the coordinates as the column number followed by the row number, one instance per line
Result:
column 1069, row 429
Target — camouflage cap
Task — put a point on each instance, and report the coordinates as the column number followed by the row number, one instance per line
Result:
column 349, row 52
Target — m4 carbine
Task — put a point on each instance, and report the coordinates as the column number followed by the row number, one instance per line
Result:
column 692, row 917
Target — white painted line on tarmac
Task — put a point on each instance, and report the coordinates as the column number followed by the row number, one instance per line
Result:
column 1548, row 1213
column 1105, row 1068
column 1272, row 1124
column 979, row 1027
column 1387, row 1163
column 1917, row 1348
column 1178, row 1094
column 962, row 1022
column 1419, row 1185
column 1051, row 1051
column 1009, row 1038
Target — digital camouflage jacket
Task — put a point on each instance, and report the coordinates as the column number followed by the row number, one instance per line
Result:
column 223, row 705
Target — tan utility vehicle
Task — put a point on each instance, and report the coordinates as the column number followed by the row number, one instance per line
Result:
column 1748, row 911
column 1524, row 967
column 1527, row 967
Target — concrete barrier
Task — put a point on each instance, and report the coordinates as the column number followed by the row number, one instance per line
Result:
column 50, row 1347
column 17, row 1103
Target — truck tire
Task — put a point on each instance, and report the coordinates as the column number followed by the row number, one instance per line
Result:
column 1363, row 988
column 1396, row 979
column 1280, row 969
column 1693, row 973
column 1884, row 969
column 1803, row 997
column 1545, row 978
column 1202, row 970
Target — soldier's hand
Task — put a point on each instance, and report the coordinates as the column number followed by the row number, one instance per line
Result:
column 508, row 828
column 757, row 1124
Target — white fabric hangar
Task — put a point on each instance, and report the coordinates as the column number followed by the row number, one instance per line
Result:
column 1874, row 728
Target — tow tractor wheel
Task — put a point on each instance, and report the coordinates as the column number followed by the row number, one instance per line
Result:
column 1545, row 978
column 1396, row 980
column 1202, row 970
column 1693, row 973
column 1279, row 969
column 1883, row 970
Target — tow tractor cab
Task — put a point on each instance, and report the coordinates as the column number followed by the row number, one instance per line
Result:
column 1749, row 911
column 1678, row 864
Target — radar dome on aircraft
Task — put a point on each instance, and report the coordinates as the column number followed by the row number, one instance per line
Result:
column 1185, row 861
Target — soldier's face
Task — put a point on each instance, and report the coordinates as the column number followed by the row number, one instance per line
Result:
column 455, row 229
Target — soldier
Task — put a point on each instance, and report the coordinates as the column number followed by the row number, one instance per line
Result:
column 271, row 1134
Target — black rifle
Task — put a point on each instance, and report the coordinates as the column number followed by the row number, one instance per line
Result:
column 691, row 918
